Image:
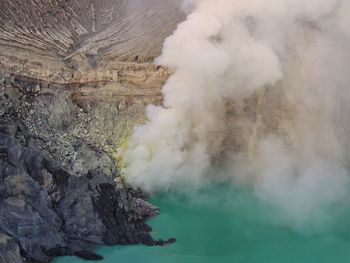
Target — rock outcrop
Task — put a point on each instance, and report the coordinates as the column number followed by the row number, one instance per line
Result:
column 46, row 210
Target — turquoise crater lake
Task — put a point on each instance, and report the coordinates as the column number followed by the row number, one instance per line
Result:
column 226, row 224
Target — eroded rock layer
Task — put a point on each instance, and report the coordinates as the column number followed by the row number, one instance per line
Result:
column 54, row 38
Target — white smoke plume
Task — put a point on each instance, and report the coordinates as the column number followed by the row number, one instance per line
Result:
column 259, row 94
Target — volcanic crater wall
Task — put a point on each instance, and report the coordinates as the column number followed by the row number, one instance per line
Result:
column 97, row 57
column 75, row 77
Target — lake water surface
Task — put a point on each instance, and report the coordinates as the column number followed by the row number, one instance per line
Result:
column 226, row 224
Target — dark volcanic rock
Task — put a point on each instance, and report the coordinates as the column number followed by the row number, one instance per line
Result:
column 46, row 211
column 9, row 250
column 89, row 255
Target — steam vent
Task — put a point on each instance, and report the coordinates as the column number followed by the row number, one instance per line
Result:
column 75, row 76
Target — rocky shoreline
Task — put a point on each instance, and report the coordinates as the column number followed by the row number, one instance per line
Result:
column 49, row 205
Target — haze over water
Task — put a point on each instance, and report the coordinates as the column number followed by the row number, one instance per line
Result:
column 259, row 95
column 227, row 224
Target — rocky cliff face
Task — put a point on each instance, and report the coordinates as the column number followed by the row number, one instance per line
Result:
column 90, row 60
column 55, row 39
column 84, row 65
column 59, row 188
column 75, row 76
